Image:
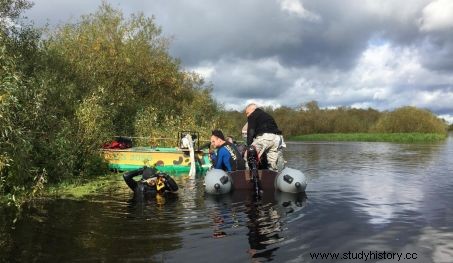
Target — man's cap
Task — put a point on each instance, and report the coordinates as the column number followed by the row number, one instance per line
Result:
column 218, row 134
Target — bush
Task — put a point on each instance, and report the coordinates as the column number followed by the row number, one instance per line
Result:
column 410, row 119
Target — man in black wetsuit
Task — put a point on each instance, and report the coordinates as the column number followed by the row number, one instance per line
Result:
column 151, row 183
column 263, row 133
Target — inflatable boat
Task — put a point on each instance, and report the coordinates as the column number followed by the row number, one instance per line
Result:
column 257, row 180
column 288, row 180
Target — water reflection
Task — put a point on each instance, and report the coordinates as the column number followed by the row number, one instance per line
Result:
column 264, row 219
column 379, row 179
column 290, row 205
column 103, row 228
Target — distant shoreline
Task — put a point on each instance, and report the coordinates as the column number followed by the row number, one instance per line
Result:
column 371, row 137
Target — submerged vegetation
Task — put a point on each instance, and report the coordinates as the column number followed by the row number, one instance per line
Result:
column 83, row 187
column 63, row 95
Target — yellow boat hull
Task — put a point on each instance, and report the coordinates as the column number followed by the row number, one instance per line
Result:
column 164, row 159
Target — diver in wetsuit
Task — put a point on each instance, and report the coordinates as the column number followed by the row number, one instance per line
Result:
column 151, row 183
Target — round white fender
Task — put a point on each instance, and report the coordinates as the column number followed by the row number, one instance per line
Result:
column 217, row 182
column 291, row 181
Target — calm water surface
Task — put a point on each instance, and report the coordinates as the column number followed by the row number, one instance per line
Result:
column 362, row 198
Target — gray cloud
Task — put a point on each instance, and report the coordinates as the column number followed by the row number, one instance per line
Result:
column 211, row 30
column 247, row 79
column 437, row 51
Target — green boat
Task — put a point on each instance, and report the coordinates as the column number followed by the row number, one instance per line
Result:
column 165, row 159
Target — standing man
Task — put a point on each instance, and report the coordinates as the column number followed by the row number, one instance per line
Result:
column 228, row 158
column 263, row 133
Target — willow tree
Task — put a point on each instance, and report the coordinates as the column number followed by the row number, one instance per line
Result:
column 126, row 77
column 20, row 102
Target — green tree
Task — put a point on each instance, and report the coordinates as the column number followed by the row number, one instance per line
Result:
column 125, row 64
column 20, row 102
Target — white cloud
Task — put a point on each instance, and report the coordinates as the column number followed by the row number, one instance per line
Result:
column 361, row 105
column 399, row 10
column 296, row 7
column 205, row 71
column 385, row 77
column 385, row 66
column 447, row 117
column 437, row 15
column 432, row 99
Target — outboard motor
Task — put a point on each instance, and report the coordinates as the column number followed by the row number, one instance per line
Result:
column 252, row 157
column 291, row 181
column 217, row 182
column 252, row 160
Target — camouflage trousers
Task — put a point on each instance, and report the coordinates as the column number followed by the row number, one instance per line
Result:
column 272, row 145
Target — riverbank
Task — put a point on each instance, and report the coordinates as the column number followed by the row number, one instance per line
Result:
column 372, row 137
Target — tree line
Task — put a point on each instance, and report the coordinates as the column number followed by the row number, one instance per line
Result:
column 311, row 119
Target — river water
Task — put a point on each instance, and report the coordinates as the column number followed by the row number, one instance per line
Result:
column 365, row 202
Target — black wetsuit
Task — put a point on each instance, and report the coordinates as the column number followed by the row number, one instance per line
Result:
column 141, row 188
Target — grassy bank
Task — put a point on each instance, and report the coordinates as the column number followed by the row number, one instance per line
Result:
column 372, row 137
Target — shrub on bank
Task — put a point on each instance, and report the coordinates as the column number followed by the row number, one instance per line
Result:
column 409, row 119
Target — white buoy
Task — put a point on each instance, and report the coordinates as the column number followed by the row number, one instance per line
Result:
column 291, row 181
column 217, row 182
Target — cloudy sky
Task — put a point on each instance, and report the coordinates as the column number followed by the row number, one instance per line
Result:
column 359, row 53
